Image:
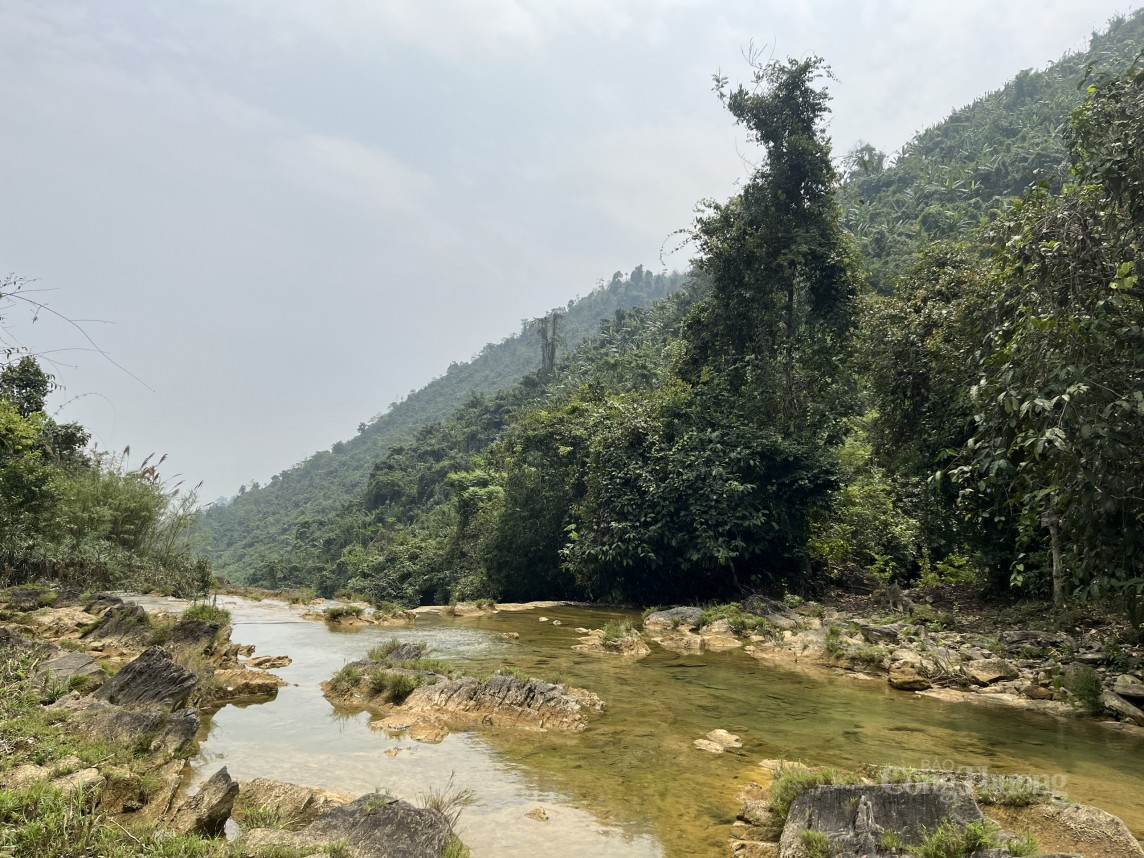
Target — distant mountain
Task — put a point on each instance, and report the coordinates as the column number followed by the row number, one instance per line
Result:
column 948, row 178
column 260, row 523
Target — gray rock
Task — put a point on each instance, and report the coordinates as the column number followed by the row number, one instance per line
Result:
column 207, row 811
column 199, row 635
column 883, row 634
column 1115, row 703
column 1129, row 686
column 990, row 670
column 854, row 817
column 153, row 679
column 684, row 618
column 65, row 665
column 1029, row 636
column 122, row 621
column 373, row 826
column 169, row 734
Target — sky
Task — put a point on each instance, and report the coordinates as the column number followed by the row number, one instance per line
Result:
column 256, row 223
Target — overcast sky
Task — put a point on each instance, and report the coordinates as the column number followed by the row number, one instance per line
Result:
column 284, row 214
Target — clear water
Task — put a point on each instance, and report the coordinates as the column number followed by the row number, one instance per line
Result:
column 631, row 784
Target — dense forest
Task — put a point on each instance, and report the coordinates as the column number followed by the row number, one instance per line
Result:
column 925, row 367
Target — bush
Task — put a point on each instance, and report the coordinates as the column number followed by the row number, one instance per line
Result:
column 617, row 630
column 1086, row 687
column 816, row 844
column 951, row 840
column 793, row 781
column 207, row 612
column 337, row 613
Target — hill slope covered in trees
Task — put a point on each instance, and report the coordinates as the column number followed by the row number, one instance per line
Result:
column 261, row 521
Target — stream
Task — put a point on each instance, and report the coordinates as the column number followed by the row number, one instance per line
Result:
column 631, row 784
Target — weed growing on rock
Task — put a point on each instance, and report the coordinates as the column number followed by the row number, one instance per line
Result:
column 793, row 781
column 341, row 612
column 1085, row 686
column 950, row 840
column 816, row 844
column 208, row 613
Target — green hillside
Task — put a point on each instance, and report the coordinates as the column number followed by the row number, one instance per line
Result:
column 951, row 177
column 261, row 521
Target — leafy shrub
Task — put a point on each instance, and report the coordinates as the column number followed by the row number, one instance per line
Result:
column 347, row 678
column 616, row 630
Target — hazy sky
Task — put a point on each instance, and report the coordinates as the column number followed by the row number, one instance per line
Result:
column 285, row 214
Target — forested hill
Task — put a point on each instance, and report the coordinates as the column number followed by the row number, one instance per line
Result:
column 950, row 177
column 261, row 521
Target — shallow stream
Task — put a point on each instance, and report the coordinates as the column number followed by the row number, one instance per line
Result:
column 631, row 784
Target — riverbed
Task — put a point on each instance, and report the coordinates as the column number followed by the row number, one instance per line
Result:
column 631, row 784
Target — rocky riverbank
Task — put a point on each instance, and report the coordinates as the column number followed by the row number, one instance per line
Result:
column 938, row 642
column 101, row 705
column 793, row 811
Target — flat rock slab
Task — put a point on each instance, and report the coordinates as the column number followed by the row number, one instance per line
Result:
column 682, row 618
column 990, row 670
column 1127, row 685
column 1115, row 703
column 296, row 805
column 68, row 664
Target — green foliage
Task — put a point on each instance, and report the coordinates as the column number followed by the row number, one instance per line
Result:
column 1023, row 845
column 337, row 613
column 347, row 678
column 395, row 685
column 950, row 840
column 617, row 630
column 208, row 612
column 455, row 848
column 1085, row 686
column 793, row 781
column 892, row 841
column 817, row 844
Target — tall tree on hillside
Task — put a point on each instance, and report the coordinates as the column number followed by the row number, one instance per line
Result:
column 782, row 293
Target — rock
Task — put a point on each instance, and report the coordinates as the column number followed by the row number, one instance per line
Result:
column 1129, row 686
column 854, row 817
column 122, row 622
column 84, row 779
column 557, row 623
column 674, row 618
column 199, row 635
column 296, row 805
column 25, row 775
column 1104, row 833
column 62, row 667
column 905, row 677
column 754, row 849
column 883, row 634
column 509, row 636
column 1029, row 636
column 708, row 745
column 725, row 739
column 542, row 619
column 61, row 623
column 169, row 733
column 989, row 670
column 269, row 662
column 719, row 635
column 373, row 826
column 1115, row 703
column 538, row 813
column 504, row 701
column 471, row 609
column 123, row 791
column 206, row 812
column 243, row 684
column 153, row 679
column 1037, row 692
column 629, row 645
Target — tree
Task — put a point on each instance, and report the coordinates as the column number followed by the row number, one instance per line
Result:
column 781, row 291
column 1059, row 441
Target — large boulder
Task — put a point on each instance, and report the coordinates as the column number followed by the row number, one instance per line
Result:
column 503, row 700
column 1127, row 685
column 167, row 734
column 986, row 671
column 207, row 811
column 1115, row 703
column 295, row 805
column 855, row 817
column 373, row 826
column 198, row 635
column 673, row 618
column 152, row 679
column 64, row 665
